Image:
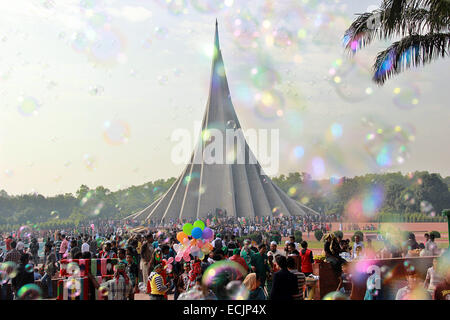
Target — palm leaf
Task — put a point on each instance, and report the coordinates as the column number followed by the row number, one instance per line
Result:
column 369, row 26
column 411, row 51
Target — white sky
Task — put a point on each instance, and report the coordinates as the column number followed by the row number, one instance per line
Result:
column 157, row 81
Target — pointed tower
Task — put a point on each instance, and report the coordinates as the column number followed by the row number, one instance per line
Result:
column 236, row 187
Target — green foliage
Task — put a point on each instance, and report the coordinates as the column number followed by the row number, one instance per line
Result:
column 403, row 195
column 360, row 234
column 318, row 234
column 436, row 234
column 339, row 234
column 298, row 236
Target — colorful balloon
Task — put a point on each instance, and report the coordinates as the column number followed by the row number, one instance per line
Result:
column 197, row 233
column 181, row 236
column 199, row 224
column 187, row 228
column 207, row 234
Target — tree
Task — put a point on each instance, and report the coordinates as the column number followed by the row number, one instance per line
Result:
column 318, row 234
column 422, row 24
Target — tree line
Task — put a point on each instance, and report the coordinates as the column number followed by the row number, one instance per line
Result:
column 414, row 197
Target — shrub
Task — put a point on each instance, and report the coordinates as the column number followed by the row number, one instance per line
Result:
column 298, row 236
column 339, row 234
column 436, row 234
column 318, row 234
column 360, row 234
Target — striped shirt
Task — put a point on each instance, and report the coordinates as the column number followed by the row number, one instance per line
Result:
column 157, row 280
column 117, row 289
column 301, row 280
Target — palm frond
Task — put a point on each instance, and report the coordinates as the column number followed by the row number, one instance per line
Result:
column 369, row 26
column 411, row 51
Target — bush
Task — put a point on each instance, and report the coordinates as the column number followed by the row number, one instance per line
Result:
column 318, row 234
column 298, row 236
column 360, row 234
column 437, row 235
column 339, row 234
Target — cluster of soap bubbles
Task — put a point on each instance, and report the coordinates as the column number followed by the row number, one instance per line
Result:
column 389, row 146
column 351, row 78
column 103, row 45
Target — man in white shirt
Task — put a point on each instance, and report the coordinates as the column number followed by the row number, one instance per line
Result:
column 85, row 246
column 275, row 250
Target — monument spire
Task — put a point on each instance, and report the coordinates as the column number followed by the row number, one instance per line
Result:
column 239, row 189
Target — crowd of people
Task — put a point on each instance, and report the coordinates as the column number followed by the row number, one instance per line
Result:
column 270, row 268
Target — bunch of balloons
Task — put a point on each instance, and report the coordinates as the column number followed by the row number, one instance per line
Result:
column 198, row 246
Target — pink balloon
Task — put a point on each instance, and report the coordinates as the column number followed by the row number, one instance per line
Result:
column 178, row 258
column 199, row 243
column 170, row 260
column 187, row 258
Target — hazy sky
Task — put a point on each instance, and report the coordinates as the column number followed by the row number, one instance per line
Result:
column 90, row 91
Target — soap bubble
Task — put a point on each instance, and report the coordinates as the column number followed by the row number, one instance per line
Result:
column 74, row 287
column 29, row 268
column 8, row 270
column 220, row 273
column 28, row 106
column 335, row 295
column 406, row 97
column 29, row 291
column 231, row 124
column 163, row 80
column 73, row 269
column 116, row 132
column 269, row 104
column 161, row 32
column 236, row 290
column 104, row 292
column 96, row 90
column 89, row 162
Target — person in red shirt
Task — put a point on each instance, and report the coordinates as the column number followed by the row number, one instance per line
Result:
column 306, row 257
column 8, row 243
column 236, row 257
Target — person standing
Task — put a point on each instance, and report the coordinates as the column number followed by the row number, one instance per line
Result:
column 146, row 262
column 23, row 276
column 433, row 277
column 50, row 268
column 85, row 246
column 119, row 287
column 237, row 258
column 306, row 259
column 34, row 249
column 259, row 264
column 13, row 254
column 157, row 286
column 284, row 283
column 58, row 241
column 247, row 253
column 301, row 279
column 358, row 244
column 64, row 247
